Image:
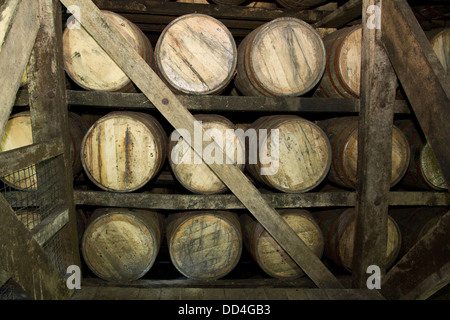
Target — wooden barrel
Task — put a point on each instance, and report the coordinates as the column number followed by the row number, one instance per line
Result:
column 268, row 254
column 187, row 166
column 423, row 171
column 90, row 67
column 299, row 4
column 121, row 245
column 414, row 223
column 29, row 217
column 300, row 160
column 283, row 57
column 196, row 54
column 343, row 135
column 441, row 46
column 262, row 4
column 338, row 227
column 229, row 2
column 204, row 245
column 342, row 75
column 18, row 133
column 123, row 151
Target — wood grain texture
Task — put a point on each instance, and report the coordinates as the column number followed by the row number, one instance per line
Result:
column 121, row 245
column 196, row 54
column 204, row 245
column 302, row 160
column 343, row 135
column 269, row 255
column 91, row 68
column 338, row 227
column 284, row 57
column 123, row 151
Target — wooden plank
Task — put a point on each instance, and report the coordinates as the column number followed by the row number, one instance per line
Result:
column 180, row 118
column 18, row 20
column 422, row 77
column 50, row 226
column 49, row 113
column 424, row 269
column 14, row 160
column 346, row 13
column 378, row 88
column 23, row 257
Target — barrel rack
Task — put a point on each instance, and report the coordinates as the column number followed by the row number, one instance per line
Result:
column 400, row 51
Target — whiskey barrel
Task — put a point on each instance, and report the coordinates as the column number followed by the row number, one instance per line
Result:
column 338, row 227
column 300, row 160
column 414, row 223
column 283, row 57
column 121, row 245
column 262, row 4
column 423, row 171
column 188, row 167
column 196, row 54
column 90, row 67
column 342, row 76
column 18, row 134
column 268, row 254
column 441, row 46
column 343, row 135
column 123, row 151
column 31, row 218
column 204, row 245
column 299, row 4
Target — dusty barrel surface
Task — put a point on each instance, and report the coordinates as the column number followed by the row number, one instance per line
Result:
column 18, row 133
column 342, row 76
column 204, row 245
column 288, row 153
column 268, row 254
column 188, row 167
column 123, row 151
column 284, row 57
column 196, row 54
column 414, row 223
column 343, row 135
column 338, row 227
column 121, row 245
column 90, row 67
column 423, row 171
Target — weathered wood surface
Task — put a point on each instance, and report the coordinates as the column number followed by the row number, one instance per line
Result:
column 167, row 103
column 204, row 245
column 121, row 245
column 413, row 59
column 51, row 225
column 441, row 46
column 196, row 54
column 284, row 57
column 346, row 13
column 18, row 20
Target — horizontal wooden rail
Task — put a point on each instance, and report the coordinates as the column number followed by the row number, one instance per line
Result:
column 50, row 226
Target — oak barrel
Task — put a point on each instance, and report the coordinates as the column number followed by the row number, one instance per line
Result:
column 300, row 160
column 343, row 135
column 196, row 54
column 283, row 57
column 123, row 151
column 338, row 228
column 342, row 76
column 423, row 171
column 268, row 254
column 299, row 4
column 441, row 46
column 90, row 67
column 189, row 169
column 120, row 244
column 414, row 223
column 204, row 245
column 18, row 133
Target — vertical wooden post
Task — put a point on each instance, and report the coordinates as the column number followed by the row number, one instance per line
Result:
column 47, row 96
column 378, row 86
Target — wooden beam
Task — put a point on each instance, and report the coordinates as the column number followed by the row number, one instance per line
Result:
column 424, row 269
column 50, row 226
column 378, row 88
column 346, row 13
column 14, row 160
column 24, row 259
column 421, row 75
column 18, row 20
column 180, row 118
